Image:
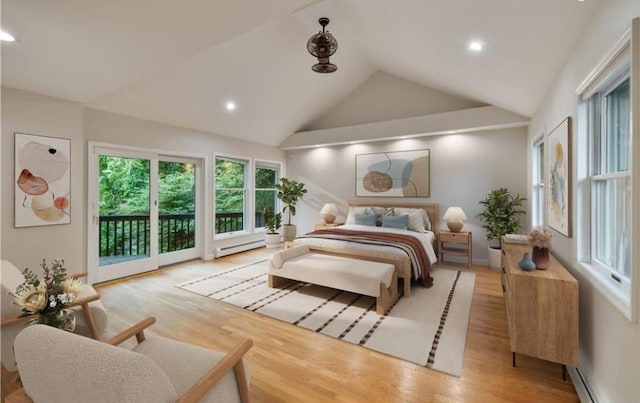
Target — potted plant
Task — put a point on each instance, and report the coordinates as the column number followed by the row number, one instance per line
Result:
column 272, row 222
column 289, row 192
column 500, row 217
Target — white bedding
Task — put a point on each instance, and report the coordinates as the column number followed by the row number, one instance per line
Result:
column 425, row 238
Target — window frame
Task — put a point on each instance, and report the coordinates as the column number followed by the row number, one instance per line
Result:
column 247, row 219
column 607, row 75
column 277, row 166
column 538, row 181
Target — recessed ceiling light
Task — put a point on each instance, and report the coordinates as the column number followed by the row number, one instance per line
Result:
column 476, row 46
column 6, row 37
column 230, row 105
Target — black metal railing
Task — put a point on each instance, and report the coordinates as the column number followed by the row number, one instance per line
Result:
column 129, row 235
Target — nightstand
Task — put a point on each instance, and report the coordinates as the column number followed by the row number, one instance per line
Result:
column 323, row 225
column 456, row 243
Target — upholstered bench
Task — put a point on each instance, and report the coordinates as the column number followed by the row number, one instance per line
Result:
column 298, row 263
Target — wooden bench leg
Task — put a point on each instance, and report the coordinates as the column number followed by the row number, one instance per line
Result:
column 387, row 296
column 277, row 282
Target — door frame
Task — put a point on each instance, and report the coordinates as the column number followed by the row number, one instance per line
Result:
column 203, row 214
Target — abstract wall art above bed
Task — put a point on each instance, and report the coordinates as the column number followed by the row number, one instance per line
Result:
column 393, row 174
column 42, row 180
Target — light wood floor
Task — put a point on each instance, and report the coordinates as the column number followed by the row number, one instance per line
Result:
column 291, row 364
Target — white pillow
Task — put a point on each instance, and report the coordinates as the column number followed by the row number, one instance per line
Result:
column 427, row 220
column 351, row 214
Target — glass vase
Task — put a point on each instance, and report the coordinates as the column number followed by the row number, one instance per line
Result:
column 64, row 319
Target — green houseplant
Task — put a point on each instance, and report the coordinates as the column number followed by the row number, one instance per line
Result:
column 272, row 222
column 500, row 217
column 290, row 192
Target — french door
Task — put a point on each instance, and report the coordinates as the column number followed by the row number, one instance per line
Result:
column 144, row 212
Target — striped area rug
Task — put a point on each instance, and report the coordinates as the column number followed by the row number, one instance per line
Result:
column 428, row 328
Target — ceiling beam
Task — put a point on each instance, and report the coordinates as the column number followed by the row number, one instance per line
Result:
column 462, row 121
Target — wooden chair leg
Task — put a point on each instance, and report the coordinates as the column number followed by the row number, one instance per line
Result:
column 241, row 379
column 93, row 329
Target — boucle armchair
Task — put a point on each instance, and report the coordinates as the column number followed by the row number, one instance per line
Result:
column 90, row 313
column 58, row 366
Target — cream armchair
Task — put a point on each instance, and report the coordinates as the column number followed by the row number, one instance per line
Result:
column 91, row 313
column 58, row 366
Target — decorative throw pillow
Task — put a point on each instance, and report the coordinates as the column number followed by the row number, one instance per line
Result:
column 416, row 219
column 427, row 220
column 398, row 221
column 380, row 212
column 365, row 219
column 351, row 214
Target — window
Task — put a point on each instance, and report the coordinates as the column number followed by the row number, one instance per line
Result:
column 538, row 190
column 230, row 195
column 267, row 176
column 610, row 178
column 609, row 190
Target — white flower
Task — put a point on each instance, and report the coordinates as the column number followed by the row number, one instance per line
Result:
column 72, row 286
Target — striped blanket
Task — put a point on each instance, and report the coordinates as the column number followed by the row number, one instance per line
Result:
column 411, row 246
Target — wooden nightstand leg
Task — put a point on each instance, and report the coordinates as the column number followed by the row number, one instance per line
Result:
column 513, row 359
column 564, row 372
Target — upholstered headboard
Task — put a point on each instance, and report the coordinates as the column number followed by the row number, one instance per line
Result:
column 432, row 210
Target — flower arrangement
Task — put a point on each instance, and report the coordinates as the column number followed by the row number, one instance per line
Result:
column 49, row 296
column 540, row 238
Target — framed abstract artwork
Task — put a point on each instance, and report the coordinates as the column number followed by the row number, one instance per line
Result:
column 393, row 174
column 559, row 178
column 42, row 180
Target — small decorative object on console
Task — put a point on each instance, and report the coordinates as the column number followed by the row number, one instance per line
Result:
column 540, row 239
column 526, row 263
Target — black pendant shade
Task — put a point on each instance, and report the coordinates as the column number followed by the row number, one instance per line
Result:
column 323, row 45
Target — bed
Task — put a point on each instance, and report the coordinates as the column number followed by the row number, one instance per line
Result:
column 411, row 252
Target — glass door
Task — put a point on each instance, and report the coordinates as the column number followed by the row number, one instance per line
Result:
column 177, row 208
column 126, row 233
column 144, row 212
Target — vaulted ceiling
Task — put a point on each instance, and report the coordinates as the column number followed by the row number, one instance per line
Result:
column 179, row 62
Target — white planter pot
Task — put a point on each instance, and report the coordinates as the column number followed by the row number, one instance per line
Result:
column 273, row 240
column 495, row 259
column 289, row 232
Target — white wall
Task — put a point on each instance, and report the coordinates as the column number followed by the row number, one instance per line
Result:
column 385, row 97
column 38, row 114
column 30, row 113
column 464, row 168
column 609, row 343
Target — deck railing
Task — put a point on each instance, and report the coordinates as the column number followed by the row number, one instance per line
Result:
column 128, row 235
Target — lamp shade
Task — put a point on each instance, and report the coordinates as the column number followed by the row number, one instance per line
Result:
column 329, row 210
column 454, row 217
column 454, row 214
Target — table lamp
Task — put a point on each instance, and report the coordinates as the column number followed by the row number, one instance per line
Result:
column 454, row 217
column 329, row 210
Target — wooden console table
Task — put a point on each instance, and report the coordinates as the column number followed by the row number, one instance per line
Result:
column 542, row 309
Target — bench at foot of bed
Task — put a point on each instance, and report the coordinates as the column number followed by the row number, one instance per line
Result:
column 375, row 279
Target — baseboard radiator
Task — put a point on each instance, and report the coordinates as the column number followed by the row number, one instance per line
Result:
column 584, row 391
column 229, row 250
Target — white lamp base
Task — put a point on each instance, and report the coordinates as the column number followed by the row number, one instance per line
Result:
column 455, row 226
